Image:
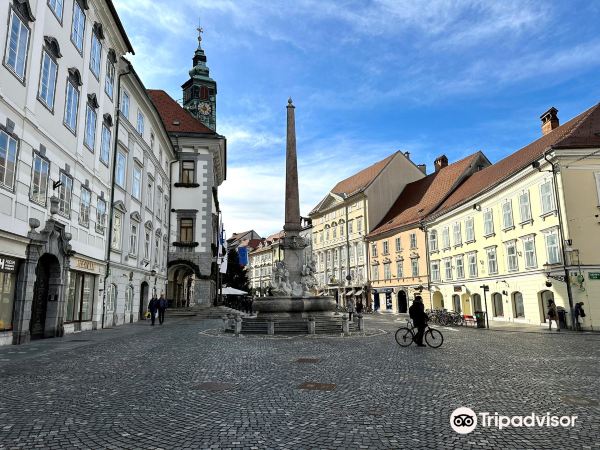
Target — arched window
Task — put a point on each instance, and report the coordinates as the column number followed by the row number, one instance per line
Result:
column 433, row 245
column 498, row 305
column 342, row 225
column 112, row 298
column 477, row 302
column 456, row 303
column 334, row 228
column 518, row 306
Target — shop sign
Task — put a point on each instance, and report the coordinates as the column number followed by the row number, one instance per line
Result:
column 83, row 264
column 8, row 264
column 594, row 275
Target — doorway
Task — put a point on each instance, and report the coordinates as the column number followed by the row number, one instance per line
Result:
column 456, row 303
column 45, row 289
column 375, row 301
column 143, row 299
column 402, row 302
column 544, row 302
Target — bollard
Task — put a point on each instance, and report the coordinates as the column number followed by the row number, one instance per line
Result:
column 271, row 327
column 361, row 322
column 345, row 326
column 311, row 325
column 231, row 319
column 224, row 323
column 238, row 325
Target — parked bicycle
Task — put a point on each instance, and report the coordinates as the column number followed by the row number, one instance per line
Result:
column 406, row 335
column 445, row 318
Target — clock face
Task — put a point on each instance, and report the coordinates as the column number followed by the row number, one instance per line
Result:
column 205, row 108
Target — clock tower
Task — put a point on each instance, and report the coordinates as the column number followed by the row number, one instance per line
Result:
column 200, row 91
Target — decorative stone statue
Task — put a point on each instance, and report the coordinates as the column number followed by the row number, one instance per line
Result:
column 309, row 281
column 280, row 280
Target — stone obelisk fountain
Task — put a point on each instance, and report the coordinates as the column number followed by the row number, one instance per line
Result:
column 292, row 282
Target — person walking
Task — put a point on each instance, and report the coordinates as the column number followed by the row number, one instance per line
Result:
column 552, row 315
column 419, row 318
column 579, row 315
column 162, row 307
column 350, row 306
column 153, row 308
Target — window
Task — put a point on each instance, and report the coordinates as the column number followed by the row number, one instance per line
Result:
column 7, row 299
column 57, row 8
column 78, row 27
column 374, row 250
column 457, row 233
column 387, row 273
column 448, row 269
column 8, row 160
column 95, row 55
column 399, row 269
column 511, row 256
column 334, row 230
column 125, row 104
column 374, row 273
column 39, row 179
column 385, row 247
column 121, row 167
column 90, row 128
column 158, row 209
column 150, row 193
column 492, row 261
column 547, row 197
column 529, row 250
column 128, row 300
column 65, row 192
column 156, row 250
column 472, row 261
column 105, row 145
column 186, row 230
column 498, row 305
column 136, row 187
column 477, row 302
column 398, row 245
column 359, row 225
column 166, row 205
column 507, row 215
column 524, row 207
column 350, row 226
column 518, row 306
column 446, row 237
column 116, row 231
column 187, row 172
column 71, row 106
column 80, row 298
column 165, row 254
column 435, row 271
column 433, row 242
column 47, row 86
column 552, row 249
column 470, row 230
column 359, row 251
column 460, row 267
column 413, row 240
column 84, row 207
column 488, row 222
column 327, row 233
column 109, row 80
column 100, row 216
column 133, row 240
column 152, row 141
column 140, row 123
column 414, row 267
column 342, row 228
column 16, row 46
column 147, row 246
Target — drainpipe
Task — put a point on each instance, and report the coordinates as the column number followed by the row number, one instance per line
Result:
column 562, row 237
column 112, row 188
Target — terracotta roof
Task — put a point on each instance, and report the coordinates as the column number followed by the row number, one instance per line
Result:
column 361, row 180
column 577, row 132
column 421, row 197
column 172, row 114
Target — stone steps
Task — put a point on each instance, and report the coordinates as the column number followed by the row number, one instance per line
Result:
column 322, row 326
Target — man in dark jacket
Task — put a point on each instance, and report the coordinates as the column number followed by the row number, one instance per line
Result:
column 153, row 307
column 162, row 307
column 419, row 318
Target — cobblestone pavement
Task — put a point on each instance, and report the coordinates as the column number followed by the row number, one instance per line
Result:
column 178, row 386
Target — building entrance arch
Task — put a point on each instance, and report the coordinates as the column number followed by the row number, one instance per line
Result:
column 402, row 302
column 456, row 303
column 46, row 289
column 144, row 289
column 467, row 307
column 438, row 300
column 544, row 298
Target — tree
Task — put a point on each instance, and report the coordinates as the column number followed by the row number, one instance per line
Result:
column 236, row 276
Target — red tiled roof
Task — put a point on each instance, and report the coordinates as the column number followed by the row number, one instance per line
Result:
column 577, row 132
column 362, row 179
column 421, row 197
column 172, row 113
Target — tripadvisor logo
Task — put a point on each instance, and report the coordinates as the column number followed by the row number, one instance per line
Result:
column 465, row 420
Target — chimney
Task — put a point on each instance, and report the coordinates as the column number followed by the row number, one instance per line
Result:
column 549, row 121
column 440, row 162
column 407, row 155
column 423, row 168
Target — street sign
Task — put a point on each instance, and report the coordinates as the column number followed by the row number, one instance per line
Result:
column 594, row 275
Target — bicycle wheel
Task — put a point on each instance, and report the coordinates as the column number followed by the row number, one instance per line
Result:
column 434, row 338
column 404, row 337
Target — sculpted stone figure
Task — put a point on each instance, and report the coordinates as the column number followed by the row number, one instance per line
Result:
column 281, row 284
column 309, row 281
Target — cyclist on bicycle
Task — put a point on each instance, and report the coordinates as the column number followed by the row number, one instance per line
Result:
column 419, row 318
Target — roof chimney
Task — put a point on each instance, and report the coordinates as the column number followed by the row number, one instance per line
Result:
column 440, row 162
column 423, row 168
column 549, row 120
column 407, row 155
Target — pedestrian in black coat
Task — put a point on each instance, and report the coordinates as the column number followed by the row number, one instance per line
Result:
column 419, row 318
column 153, row 308
column 162, row 307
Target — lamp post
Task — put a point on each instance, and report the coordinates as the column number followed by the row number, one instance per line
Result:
column 485, row 288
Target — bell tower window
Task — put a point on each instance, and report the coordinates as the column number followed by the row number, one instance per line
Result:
column 203, row 93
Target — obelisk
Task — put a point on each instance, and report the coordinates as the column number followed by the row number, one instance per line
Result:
column 292, row 198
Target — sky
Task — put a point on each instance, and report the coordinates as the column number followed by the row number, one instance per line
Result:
column 368, row 78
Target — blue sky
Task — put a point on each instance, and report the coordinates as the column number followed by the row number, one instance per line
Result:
column 367, row 78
